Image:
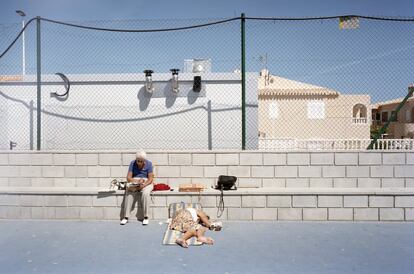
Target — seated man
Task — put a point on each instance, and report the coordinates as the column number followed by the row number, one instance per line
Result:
column 140, row 178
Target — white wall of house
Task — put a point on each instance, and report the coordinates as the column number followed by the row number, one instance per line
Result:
column 115, row 112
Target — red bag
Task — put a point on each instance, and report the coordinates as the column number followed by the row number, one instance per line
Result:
column 158, row 187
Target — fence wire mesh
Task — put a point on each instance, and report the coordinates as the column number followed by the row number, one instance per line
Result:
column 310, row 84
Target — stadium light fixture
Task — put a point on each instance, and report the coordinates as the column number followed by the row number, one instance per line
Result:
column 22, row 14
column 149, row 87
column 174, row 84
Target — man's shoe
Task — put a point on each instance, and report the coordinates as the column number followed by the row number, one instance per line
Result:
column 124, row 221
column 145, row 221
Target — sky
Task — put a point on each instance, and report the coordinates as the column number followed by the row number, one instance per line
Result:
column 376, row 59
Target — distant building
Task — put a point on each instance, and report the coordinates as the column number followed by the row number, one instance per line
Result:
column 403, row 126
column 294, row 110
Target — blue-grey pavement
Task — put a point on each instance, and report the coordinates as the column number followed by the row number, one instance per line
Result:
column 47, row 246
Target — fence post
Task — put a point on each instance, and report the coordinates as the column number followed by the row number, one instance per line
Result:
column 392, row 118
column 39, row 86
column 243, row 80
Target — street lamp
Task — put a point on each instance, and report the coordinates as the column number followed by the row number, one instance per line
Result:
column 22, row 14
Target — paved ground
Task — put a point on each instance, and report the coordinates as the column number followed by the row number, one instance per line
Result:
column 241, row 247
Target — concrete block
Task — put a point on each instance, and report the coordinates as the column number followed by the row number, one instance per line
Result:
column 355, row 201
column 19, row 159
column 304, row 201
column 404, row 171
column 279, row 201
column 273, row 182
column 206, row 182
column 315, row 214
column 409, row 182
column 63, row 159
column 9, row 199
column 88, row 182
column 239, row 214
column 357, row 171
column 80, row 200
column 56, row 200
column 43, row 213
column 391, row 214
column 155, row 158
column 111, row 213
column 168, row 171
column 333, row 171
column 366, row 214
column 367, row 158
column 20, row 182
column 381, row 201
column 298, row 159
column 409, row 214
column 175, row 182
column 393, row 158
column 192, row 171
column 322, row 158
column 25, row 213
column 44, row 182
column 9, row 212
column 382, row 171
column 293, row 183
column 248, row 159
column 9, row 171
column 410, row 158
column 42, row 159
column 205, row 201
column 204, row 159
column 30, row 171
column 178, row 199
column 118, row 171
column 392, row 182
column 160, row 213
column 369, row 182
column 104, row 201
column 214, row 171
column 254, row 201
column 4, row 182
column 264, row 213
column 262, row 171
column 4, row 159
column 127, row 158
column 344, row 159
column 159, row 201
column 76, row 171
column 330, row 201
column 231, row 201
column 404, row 201
column 99, row 171
column 86, row 159
column 239, row 171
column 67, row 213
column 110, row 159
column 179, row 159
column 289, row 214
column 91, row 213
column 345, row 182
column 227, row 159
column 320, row 182
column 53, row 171
column 249, row 182
column 310, row 171
column 340, row 214
column 286, row 171
column 32, row 200
column 274, row 159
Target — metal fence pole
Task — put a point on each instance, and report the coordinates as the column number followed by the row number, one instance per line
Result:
column 39, row 87
column 243, row 80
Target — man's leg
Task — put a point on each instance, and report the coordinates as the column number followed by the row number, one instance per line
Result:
column 128, row 202
column 145, row 199
column 182, row 241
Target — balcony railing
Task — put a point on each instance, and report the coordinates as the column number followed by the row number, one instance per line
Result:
column 335, row 144
column 360, row 120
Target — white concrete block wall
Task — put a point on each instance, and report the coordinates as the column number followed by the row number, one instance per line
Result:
column 337, row 171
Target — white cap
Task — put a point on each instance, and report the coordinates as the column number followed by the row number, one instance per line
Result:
column 141, row 155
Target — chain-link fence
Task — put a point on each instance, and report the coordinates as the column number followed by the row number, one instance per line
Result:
column 310, row 83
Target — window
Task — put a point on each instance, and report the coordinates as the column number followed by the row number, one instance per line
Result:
column 273, row 110
column 384, row 116
column 316, row 110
